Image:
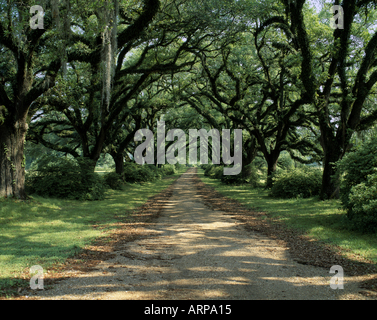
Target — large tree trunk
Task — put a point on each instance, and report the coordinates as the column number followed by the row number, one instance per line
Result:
column 330, row 186
column 248, row 157
column 12, row 164
column 119, row 163
column 272, row 162
column 93, row 157
column 332, row 150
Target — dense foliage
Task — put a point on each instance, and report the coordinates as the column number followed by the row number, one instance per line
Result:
column 358, row 188
column 134, row 173
column 98, row 72
column 213, row 171
column 169, row 169
column 299, row 182
column 113, row 180
column 62, row 177
column 248, row 176
column 65, row 178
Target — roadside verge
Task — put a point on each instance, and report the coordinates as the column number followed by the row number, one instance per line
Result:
column 302, row 248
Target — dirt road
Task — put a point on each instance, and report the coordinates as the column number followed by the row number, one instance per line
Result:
column 193, row 252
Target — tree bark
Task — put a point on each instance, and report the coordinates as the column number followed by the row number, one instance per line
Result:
column 12, row 164
column 248, row 157
column 119, row 163
column 329, row 187
column 272, row 161
column 332, row 153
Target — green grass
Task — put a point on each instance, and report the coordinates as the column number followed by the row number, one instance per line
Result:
column 48, row 231
column 322, row 220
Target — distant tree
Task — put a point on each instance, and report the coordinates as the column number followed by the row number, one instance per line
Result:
column 253, row 84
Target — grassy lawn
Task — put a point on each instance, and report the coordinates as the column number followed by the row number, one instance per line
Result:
column 319, row 219
column 47, row 231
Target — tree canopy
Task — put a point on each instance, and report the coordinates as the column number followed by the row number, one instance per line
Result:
column 98, row 72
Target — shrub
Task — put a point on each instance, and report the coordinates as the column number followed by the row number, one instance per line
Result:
column 260, row 163
column 357, row 171
column 135, row 173
column 213, row 171
column 285, row 161
column 94, row 187
column 65, row 178
column 131, row 173
column 179, row 167
column 169, row 169
column 249, row 176
column 113, row 180
column 207, row 169
column 302, row 182
column 155, row 173
column 363, row 202
column 217, row 172
column 355, row 167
